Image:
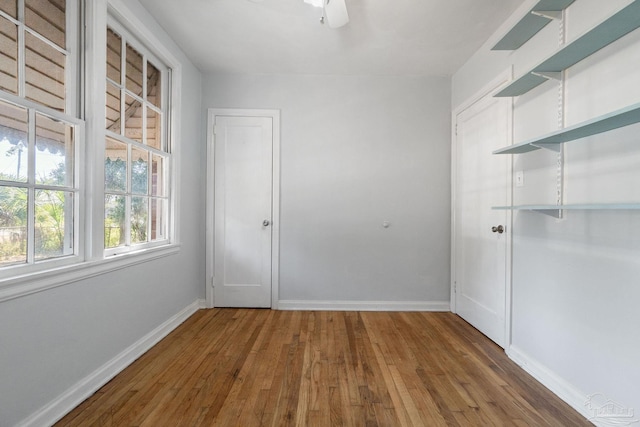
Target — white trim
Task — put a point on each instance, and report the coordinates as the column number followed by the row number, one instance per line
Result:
column 95, row 95
column 28, row 284
column 364, row 305
column 70, row 116
column 41, row 109
column 210, row 208
column 31, row 266
column 135, row 33
column 64, row 403
column 74, row 49
column 492, row 87
column 561, row 388
column 275, row 209
column 101, row 13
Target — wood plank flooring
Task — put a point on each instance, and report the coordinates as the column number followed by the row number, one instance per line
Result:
column 240, row 367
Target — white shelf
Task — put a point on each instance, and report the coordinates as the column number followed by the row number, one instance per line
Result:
column 556, row 210
column 603, row 34
column 611, row 29
column 617, row 119
column 535, row 20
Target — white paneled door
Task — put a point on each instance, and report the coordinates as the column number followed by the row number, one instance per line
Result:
column 243, row 211
column 480, row 241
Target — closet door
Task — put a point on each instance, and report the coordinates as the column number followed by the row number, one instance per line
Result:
column 481, row 234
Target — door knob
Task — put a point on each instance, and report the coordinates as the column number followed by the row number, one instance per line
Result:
column 498, row 229
column 266, row 223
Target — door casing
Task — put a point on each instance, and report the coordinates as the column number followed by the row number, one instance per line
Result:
column 210, row 206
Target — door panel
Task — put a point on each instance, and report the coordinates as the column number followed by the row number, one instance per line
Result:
column 243, row 211
column 481, row 182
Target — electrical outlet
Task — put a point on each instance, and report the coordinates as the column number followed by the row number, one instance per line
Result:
column 520, row 179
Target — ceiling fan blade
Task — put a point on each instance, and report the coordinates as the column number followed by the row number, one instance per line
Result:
column 315, row 3
column 336, row 13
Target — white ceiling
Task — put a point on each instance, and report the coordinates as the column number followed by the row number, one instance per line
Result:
column 383, row 37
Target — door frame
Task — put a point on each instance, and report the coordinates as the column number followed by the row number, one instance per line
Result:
column 212, row 113
column 488, row 90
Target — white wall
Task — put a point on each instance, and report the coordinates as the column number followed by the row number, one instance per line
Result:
column 357, row 151
column 51, row 340
column 575, row 280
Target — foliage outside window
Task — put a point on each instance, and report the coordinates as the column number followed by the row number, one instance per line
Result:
column 40, row 137
column 137, row 154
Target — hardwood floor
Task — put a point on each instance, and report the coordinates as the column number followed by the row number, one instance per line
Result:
column 242, row 367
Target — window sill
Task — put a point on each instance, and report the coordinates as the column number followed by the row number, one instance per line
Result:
column 27, row 284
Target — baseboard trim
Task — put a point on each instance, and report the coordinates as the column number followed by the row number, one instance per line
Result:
column 561, row 388
column 364, row 305
column 67, row 401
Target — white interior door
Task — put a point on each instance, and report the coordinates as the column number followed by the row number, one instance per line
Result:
column 243, row 211
column 482, row 180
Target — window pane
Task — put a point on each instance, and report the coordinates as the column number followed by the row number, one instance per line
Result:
column 13, row 225
column 114, row 229
column 54, row 224
column 139, row 219
column 14, row 151
column 157, row 176
column 115, row 166
column 139, row 171
column 8, row 56
column 154, row 85
column 47, row 17
column 134, row 71
column 54, row 152
column 133, row 119
column 10, row 7
column 44, row 73
column 114, row 122
column 114, row 56
column 158, row 219
column 154, row 129
column 136, row 168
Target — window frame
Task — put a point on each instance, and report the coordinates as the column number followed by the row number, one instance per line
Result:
column 167, row 145
column 78, row 189
column 89, row 63
column 71, row 116
column 73, row 40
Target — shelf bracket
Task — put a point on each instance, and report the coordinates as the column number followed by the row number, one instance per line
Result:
column 556, row 213
column 549, row 14
column 550, row 75
column 549, row 146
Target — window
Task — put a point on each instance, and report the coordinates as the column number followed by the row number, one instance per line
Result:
column 40, row 134
column 137, row 153
column 50, row 231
